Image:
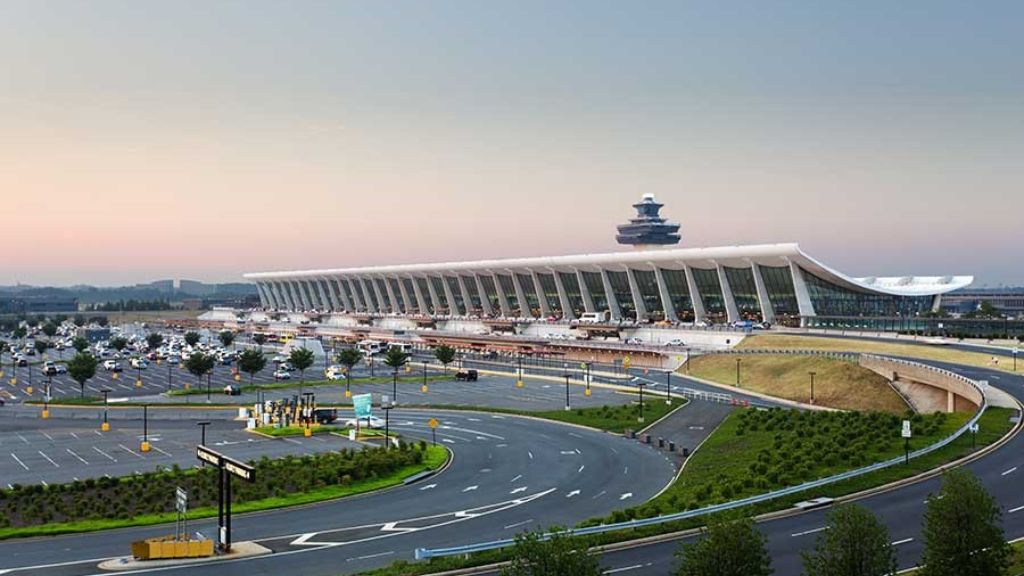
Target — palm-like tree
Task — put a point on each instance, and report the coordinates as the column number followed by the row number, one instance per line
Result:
column 301, row 358
column 445, row 355
column 395, row 358
column 348, row 358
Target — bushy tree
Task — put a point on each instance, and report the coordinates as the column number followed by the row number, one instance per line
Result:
column 199, row 364
column 81, row 368
column 348, row 358
column 40, row 346
column 726, row 548
column 259, row 339
column 252, row 361
column 118, row 343
column 558, row 555
column 963, row 533
column 227, row 337
column 301, row 359
column 154, row 340
column 78, row 320
column 191, row 338
column 50, row 329
column 445, row 355
column 395, row 358
column 855, row 544
column 79, row 344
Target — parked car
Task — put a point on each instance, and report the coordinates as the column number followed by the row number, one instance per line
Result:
column 467, row 375
column 282, row 374
column 140, row 363
column 634, row 341
column 334, row 373
column 112, row 366
column 233, row 390
column 368, row 422
column 325, row 415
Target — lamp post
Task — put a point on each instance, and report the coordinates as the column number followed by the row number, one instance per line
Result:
column 203, row 425
column 169, row 371
column 144, row 447
column 386, row 406
column 519, row 379
column 105, row 427
column 567, row 390
column 668, row 387
column 640, row 386
column 1014, row 359
column 424, row 387
column 738, row 360
column 812, row 373
column 138, row 372
column 587, row 391
column 46, row 402
column 207, row 387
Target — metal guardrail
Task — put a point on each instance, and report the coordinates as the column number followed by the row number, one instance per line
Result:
column 423, row 553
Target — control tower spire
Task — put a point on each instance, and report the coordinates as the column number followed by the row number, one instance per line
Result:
column 648, row 229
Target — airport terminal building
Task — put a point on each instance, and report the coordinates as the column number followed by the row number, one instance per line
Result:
column 776, row 283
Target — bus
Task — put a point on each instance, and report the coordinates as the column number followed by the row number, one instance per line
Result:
column 370, row 347
column 403, row 346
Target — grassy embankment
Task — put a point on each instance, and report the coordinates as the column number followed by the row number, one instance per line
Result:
column 837, row 383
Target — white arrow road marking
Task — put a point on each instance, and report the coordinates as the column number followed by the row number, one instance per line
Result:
column 304, row 540
column 518, row 490
column 391, row 527
column 573, row 493
column 428, row 487
column 470, row 488
column 626, row 495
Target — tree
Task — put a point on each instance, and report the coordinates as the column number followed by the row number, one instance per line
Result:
column 301, row 358
column 40, row 346
column 395, row 358
column 191, row 338
column 226, row 338
column 50, row 329
column 252, row 361
column 963, row 533
column 726, row 548
column 445, row 355
column 259, row 339
column 154, row 340
column 199, row 364
column 118, row 343
column 558, row 555
column 348, row 358
column 19, row 333
column 79, row 344
column 81, row 368
column 100, row 320
column 856, row 544
column 78, row 320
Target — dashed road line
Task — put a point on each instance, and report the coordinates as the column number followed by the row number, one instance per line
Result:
column 50, row 460
column 18, row 460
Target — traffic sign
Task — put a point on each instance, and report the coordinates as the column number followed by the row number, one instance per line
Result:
column 362, row 404
column 905, row 433
column 181, row 500
column 432, row 423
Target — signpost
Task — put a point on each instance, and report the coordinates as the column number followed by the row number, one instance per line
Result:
column 433, row 429
column 362, row 405
column 905, row 433
column 181, row 506
column 974, row 435
column 226, row 468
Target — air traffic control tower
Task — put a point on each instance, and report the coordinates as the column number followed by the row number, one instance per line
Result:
column 648, row 229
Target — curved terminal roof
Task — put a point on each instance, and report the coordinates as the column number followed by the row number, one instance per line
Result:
column 776, row 255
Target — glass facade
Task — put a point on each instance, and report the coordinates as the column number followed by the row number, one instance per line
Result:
column 596, row 288
column 412, row 305
column 831, row 300
column 421, row 283
column 458, row 306
column 530, row 293
column 620, row 286
column 744, row 292
column 474, row 305
column 572, row 292
column 367, row 287
column 491, row 293
column 778, row 282
column 550, row 291
column 384, row 296
column 648, row 286
column 711, row 293
column 397, row 291
column 679, row 292
column 509, row 290
column 442, row 301
column 358, row 287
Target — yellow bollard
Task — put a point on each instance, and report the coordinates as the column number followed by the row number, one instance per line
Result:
column 105, row 427
column 144, row 446
column 586, row 392
column 2, row 373
column 423, row 388
column 115, row 376
column 348, row 393
column 14, row 381
column 307, row 432
column 188, row 386
column 238, row 377
column 138, row 383
column 519, row 384
column 28, row 390
column 45, row 414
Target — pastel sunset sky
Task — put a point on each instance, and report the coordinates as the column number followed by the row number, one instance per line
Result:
column 203, row 139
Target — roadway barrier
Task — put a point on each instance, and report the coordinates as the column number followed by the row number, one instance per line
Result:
column 423, row 553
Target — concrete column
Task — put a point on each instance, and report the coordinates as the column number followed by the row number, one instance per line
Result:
column 588, row 300
column 331, row 296
column 264, row 301
column 638, row 297
column 367, row 300
column 730, row 302
column 435, row 302
column 609, row 293
column 405, row 295
column 506, row 311
column 306, row 290
column 803, row 297
column 467, row 302
column 293, row 293
column 382, row 301
column 699, row 312
column 937, row 303
column 666, row 296
column 420, row 300
column 282, row 302
column 767, row 310
column 453, row 307
column 542, row 297
column 275, row 298
column 357, row 300
column 346, row 302
column 524, row 306
column 391, row 296
column 485, row 300
column 324, row 305
column 567, row 312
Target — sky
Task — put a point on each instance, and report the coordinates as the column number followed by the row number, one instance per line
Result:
column 195, row 139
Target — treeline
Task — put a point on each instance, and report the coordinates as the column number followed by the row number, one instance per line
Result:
column 130, row 305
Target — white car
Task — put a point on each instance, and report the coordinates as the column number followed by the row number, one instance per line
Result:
column 370, row 422
column 675, row 342
column 634, row 341
column 282, row 375
column 112, row 366
column 139, row 363
column 334, row 373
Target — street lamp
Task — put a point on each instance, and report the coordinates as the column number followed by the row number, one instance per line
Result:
column 668, row 387
column 138, row 371
column 519, row 380
column 738, row 360
column 640, row 386
column 424, row 387
column 203, row 425
column 587, row 391
column 386, row 406
column 46, row 402
column 567, row 390
column 105, row 427
column 144, row 447
column 812, row 373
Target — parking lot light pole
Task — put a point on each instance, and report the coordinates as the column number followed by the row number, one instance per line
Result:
column 519, row 380
column 640, row 386
column 567, row 391
column 203, row 425
column 812, row 373
column 668, row 387
column 144, row 447
column 387, row 406
column 46, row 402
column 424, row 387
column 138, row 370
column 587, row 391
column 105, row 427
column 738, row 360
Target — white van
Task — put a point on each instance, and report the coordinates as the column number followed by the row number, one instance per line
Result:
column 595, row 317
column 370, row 347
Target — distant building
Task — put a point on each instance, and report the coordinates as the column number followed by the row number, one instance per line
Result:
column 37, row 303
column 648, row 228
column 1006, row 301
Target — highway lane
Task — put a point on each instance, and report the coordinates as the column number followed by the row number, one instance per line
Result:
column 509, row 474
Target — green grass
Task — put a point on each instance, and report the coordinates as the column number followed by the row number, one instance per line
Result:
column 286, row 431
column 196, row 390
column 838, row 384
column 435, row 458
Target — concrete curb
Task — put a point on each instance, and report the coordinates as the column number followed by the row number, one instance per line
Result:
column 239, row 550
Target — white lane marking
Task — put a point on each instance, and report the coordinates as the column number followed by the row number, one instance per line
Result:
column 123, row 447
column 109, row 457
column 301, row 540
column 625, row 471
column 1010, row 471
column 599, row 494
column 626, row 568
column 50, row 460
column 470, row 488
column 626, row 495
column 568, row 452
column 518, row 524
column 573, row 493
column 19, row 461
column 157, row 448
column 72, row 452
column 428, row 487
column 23, row 439
column 904, row 541
column 518, row 490
column 530, row 454
column 575, row 435
column 1017, row 509
column 516, row 478
column 75, row 436
column 447, row 440
column 368, row 556
column 806, row 532
column 582, row 466
column 50, row 438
